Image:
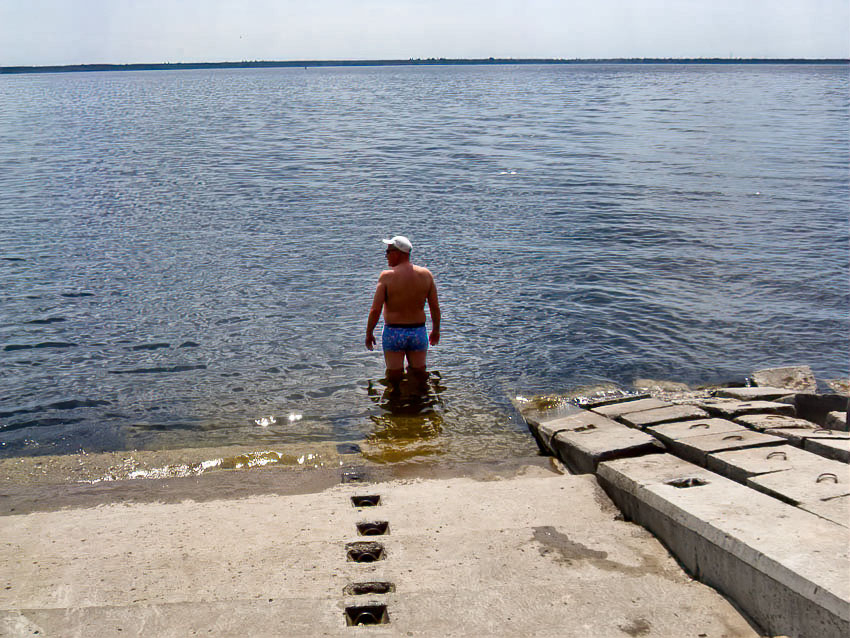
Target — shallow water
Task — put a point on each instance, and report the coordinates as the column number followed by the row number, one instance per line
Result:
column 185, row 254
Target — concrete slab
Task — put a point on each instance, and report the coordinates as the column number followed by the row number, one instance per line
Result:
column 581, row 420
column 764, row 422
column 656, row 416
column 731, row 408
column 535, row 416
column 805, row 484
column 526, row 556
column 799, row 378
column 617, row 409
column 798, row 436
column 836, row 509
column 755, row 393
column 829, row 448
column 584, row 447
column 693, row 427
column 717, row 529
column 739, row 465
column 696, row 448
column 836, row 421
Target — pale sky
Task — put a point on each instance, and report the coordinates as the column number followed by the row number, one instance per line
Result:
column 47, row 32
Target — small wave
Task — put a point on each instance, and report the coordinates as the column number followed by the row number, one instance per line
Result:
column 159, row 370
column 37, row 423
column 48, row 320
column 71, row 404
column 188, row 344
column 12, row 259
column 151, row 346
column 46, row 344
column 77, row 294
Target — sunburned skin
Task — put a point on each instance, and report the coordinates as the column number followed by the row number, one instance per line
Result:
column 401, row 295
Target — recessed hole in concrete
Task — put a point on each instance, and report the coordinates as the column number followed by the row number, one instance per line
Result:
column 352, row 476
column 366, row 615
column 366, row 501
column 374, row 528
column 584, row 428
column 372, row 587
column 365, row 552
column 686, row 482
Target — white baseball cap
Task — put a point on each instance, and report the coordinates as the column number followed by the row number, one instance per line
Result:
column 399, row 242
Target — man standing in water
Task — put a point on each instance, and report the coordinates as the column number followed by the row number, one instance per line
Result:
column 401, row 294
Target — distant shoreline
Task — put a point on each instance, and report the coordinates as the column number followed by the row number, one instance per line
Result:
column 256, row 64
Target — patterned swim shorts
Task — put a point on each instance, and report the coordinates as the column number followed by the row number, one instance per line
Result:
column 404, row 338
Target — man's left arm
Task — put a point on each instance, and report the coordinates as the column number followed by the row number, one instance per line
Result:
column 434, row 308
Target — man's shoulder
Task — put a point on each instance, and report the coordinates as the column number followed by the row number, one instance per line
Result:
column 422, row 270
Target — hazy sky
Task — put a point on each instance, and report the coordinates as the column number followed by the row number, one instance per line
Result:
column 38, row 32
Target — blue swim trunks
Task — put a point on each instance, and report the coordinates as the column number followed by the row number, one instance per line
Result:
column 404, row 338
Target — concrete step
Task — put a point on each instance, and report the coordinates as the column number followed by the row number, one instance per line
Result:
column 785, row 567
column 731, row 408
column 755, row 393
column 740, row 465
column 838, row 450
column 657, row 416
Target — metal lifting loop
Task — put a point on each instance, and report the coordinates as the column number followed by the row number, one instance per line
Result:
column 366, row 618
column 699, row 425
column 733, row 437
column 827, row 475
column 778, row 453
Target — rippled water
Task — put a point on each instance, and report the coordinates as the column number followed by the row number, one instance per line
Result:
column 184, row 254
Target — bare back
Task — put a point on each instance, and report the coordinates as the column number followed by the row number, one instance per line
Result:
column 407, row 288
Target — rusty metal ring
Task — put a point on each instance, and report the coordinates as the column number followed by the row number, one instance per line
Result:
column 777, row 452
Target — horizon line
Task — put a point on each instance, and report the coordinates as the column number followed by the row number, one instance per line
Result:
column 140, row 66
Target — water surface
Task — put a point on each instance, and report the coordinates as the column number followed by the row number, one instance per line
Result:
column 187, row 253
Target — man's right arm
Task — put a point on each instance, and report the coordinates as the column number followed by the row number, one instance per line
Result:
column 375, row 312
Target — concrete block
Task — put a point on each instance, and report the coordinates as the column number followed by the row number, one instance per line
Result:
column 756, row 393
column 837, row 450
column 717, row 529
column 614, row 410
column 836, row 421
column 731, row 408
column 645, row 418
column 611, row 397
column 581, row 420
column 794, row 377
column 764, row 422
column 805, row 484
column 534, row 417
column 835, row 509
column 816, row 407
column 582, row 449
column 798, row 436
column 739, row 465
column 696, row 448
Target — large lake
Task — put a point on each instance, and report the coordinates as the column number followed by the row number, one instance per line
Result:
column 184, row 253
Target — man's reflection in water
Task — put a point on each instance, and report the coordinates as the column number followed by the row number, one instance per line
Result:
column 410, row 419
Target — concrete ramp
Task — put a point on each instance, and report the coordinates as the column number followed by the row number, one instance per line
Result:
column 534, row 554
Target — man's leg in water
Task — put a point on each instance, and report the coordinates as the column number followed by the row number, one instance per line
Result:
column 395, row 365
column 416, row 364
